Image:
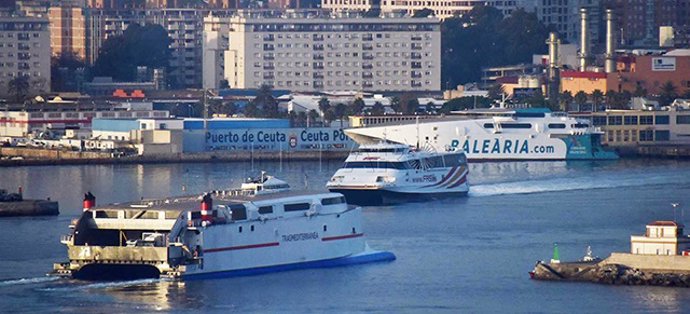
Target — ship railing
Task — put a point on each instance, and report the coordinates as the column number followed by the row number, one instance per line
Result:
column 66, row 238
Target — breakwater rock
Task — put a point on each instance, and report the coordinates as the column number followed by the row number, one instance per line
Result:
column 606, row 273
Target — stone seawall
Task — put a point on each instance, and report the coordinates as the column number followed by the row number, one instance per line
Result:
column 33, row 156
column 29, row 208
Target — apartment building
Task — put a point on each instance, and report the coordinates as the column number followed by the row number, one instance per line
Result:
column 442, row 8
column 67, row 30
column 308, row 51
column 25, row 51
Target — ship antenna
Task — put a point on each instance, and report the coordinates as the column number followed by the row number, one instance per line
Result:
column 417, row 124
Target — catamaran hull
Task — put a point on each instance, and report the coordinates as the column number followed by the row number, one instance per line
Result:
column 386, row 197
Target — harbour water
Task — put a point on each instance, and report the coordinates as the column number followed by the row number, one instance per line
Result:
column 467, row 254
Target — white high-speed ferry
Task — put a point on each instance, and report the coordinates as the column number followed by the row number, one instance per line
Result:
column 497, row 134
column 385, row 173
column 259, row 229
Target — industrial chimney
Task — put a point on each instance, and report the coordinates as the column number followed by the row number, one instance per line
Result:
column 584, row 40
column 610, row 65
column 553, row 87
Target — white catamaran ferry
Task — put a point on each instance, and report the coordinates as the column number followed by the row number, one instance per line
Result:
column 261, row 228
column 498, row 134
column 387, row 173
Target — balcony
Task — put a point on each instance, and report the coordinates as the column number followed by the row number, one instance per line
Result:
column 318, row 47
column 367, row 47
column 318, row 75
column 269, row 38
column 416, row 37
column 318, row 56
column 367, row 57
column 269, row 77
column 367, row 66
column 367, row 76
column 269, row 58
column 269, row 67
column 367, row 38
column 416, row 84
column 367, row 84
column 317, row 37
column 416, row 47
column 269, row 48
column 416, row 65
column 416, row 56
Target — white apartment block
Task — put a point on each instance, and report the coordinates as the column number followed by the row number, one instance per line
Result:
column 442, row 8
column 215, row 43
column 309, row 51
column 25, row 51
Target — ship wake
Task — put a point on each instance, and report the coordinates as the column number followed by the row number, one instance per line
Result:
column 26, row 281
column 577, row 183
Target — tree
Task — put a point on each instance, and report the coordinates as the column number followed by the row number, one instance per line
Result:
column 340, row 111
column 377, row 109
column 220, row 107
column 640, row 91
column 266, row 105
column 409, row 103
column 313, row 115
column 566, row 99
column 580, row 100
column 426, row 12
column 356, row 107
column 395, row 104
column 597, row 99
column 324, row 105
column 668, row 93
column 483, row 38
column 464, row 103
column 19, row 87
column 251, row 110
column 537, row 100
column 139, row 45
column 65, row 72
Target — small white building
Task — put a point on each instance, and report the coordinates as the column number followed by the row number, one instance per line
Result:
column 662, row 238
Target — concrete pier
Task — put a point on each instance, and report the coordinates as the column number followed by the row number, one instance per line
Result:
column 29, row 208
column 621, row 269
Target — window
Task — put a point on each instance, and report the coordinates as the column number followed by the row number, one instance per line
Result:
column 646, row 120
column 266, row 210
column 646, row 136
column 374, row 164
column 599, row 120
column 662, row 135
column 239, row 212
column 489, row 125
column 556, row 125
column 630, row 120
column 661, row 120
column 683, row 120
column 296, row 207
column 516, row 125
column 615, row 120
column 333, row 200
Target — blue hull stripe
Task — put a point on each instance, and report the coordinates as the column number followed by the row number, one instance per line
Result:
column 342, row 261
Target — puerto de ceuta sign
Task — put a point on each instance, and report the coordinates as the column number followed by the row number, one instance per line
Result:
column 280, row 139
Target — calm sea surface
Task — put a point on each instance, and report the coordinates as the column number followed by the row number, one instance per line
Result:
column 459, row 255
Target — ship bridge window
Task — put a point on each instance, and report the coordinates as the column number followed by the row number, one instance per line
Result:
column 239, row 212
column 615, row 120
column 682, row 119
column 661, row 120
column 516, row 125
column 266, row 210
column 630, row 120
column 296, row 207
column 333, row 200
column 556, row 125
column 489, row 125
column 374, row 164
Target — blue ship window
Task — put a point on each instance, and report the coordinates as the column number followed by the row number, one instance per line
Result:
column 296, row 207
column 325, row 228
column 661, row 120
column 382, row 150
column 556, row 125
column 251, row 228
column 333, row 200
column 516, row 125
column 266, row 210
column 581, row 125
column 489, row 125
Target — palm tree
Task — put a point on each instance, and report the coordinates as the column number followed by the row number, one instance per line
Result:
column 597, row 99
column 566, row 99
column 668, row 93
column 377, row 109
column 580, row 100
column 19, row 87
column 340, row 112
